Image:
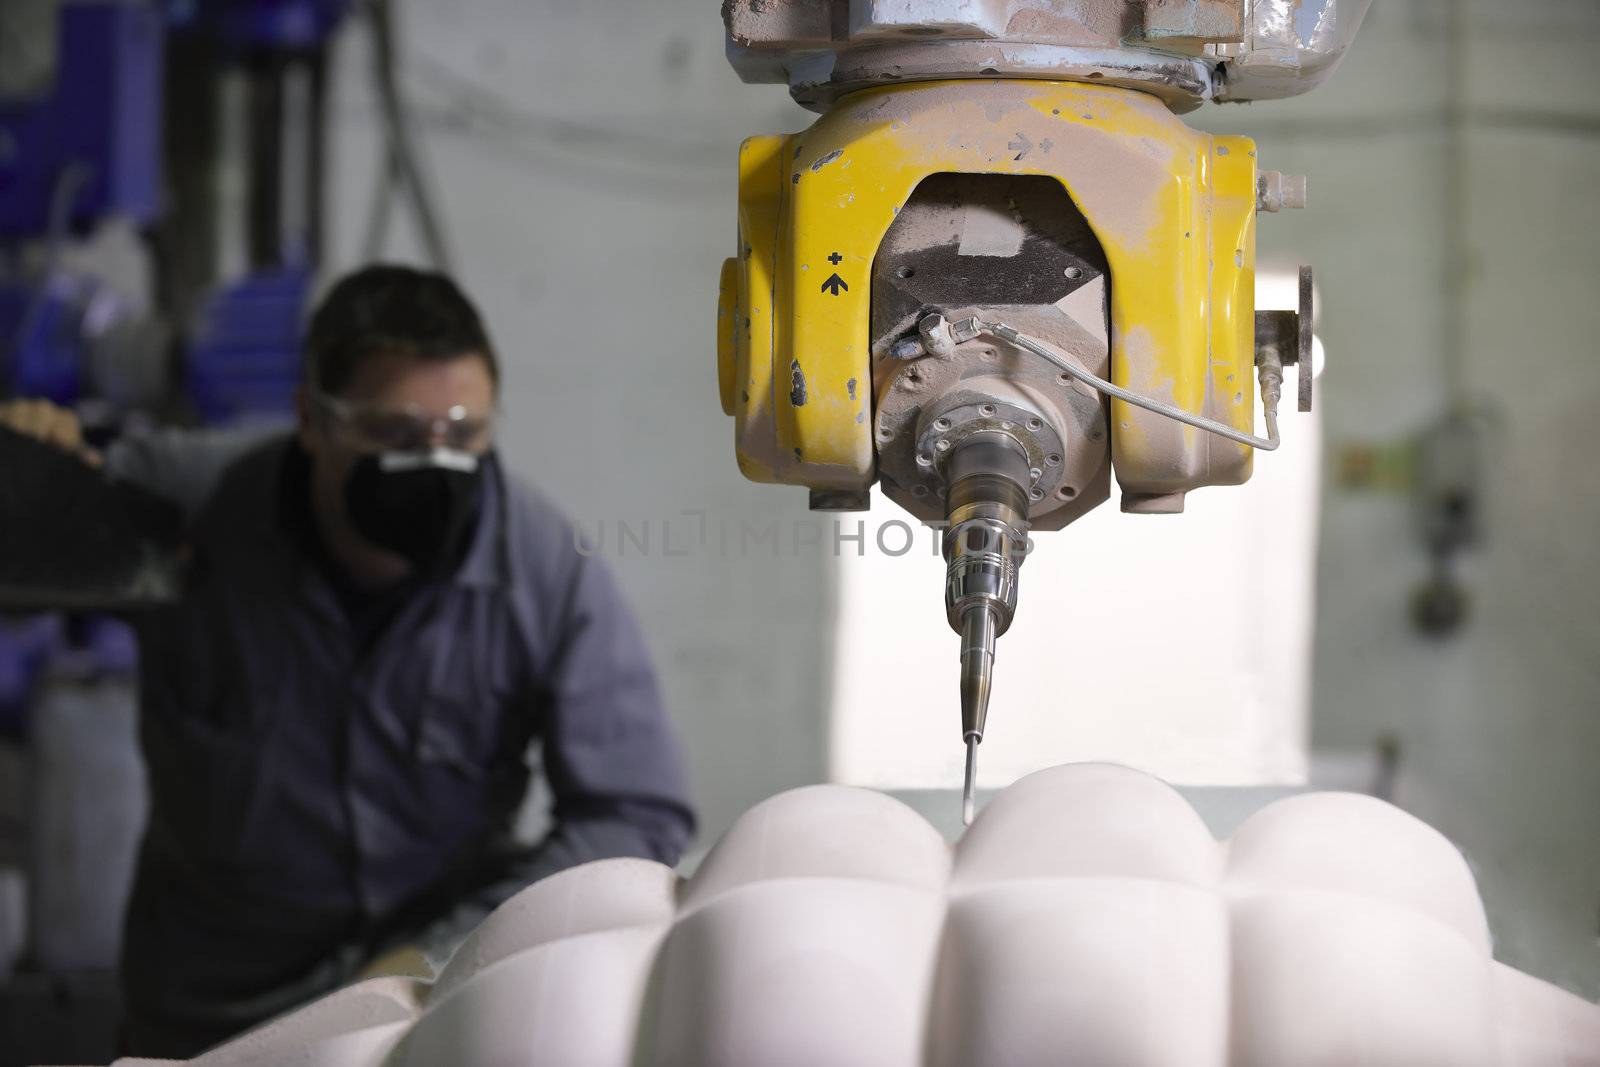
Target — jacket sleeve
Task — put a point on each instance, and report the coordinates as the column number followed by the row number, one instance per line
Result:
column 613, row 763
column 180, row 465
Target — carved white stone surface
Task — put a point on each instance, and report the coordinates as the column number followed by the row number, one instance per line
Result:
column 1086, row 917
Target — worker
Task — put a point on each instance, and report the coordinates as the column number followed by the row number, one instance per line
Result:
column 378, row 621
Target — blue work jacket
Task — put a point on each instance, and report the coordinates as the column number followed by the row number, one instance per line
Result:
column 322, row 788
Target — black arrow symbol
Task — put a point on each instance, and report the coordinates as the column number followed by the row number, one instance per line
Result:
column 1021, row 146
column 834, row 284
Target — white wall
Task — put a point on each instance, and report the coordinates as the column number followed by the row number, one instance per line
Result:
column 1176, row 644
column 589, row 190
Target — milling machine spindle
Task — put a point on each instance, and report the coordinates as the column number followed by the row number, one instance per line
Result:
column 984, row 545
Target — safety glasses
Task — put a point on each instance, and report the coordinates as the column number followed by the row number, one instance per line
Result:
column 408, row 429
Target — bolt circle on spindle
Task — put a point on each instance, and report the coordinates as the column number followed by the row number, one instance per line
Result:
column 943, row 434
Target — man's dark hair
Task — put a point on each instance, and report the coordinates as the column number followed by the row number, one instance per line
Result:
column 390, row 310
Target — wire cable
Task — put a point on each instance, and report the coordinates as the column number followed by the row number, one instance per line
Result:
column 401, row 166
column 1270, row 373
column 389, row 177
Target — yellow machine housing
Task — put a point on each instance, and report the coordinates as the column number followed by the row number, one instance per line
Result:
column 1173, row 210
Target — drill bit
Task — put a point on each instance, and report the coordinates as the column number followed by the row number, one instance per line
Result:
column 968, row 799
column 979, row 628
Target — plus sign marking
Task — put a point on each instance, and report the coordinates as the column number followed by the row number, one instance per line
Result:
column 835, row 284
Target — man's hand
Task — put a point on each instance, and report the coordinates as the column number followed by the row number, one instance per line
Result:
column 44, row 421
column 406, row 961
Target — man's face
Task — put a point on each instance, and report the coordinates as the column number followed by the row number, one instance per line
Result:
column 388, row 394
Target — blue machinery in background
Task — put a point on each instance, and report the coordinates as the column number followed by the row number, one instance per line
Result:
column 92, row 147
column 129, row 129
column 89, row 150
column 197, row 125
column 242, row 357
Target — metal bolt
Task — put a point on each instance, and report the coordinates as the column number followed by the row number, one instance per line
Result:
column 941, row 445
column 1035, row 473
column 1073, row 272
column 936, row 336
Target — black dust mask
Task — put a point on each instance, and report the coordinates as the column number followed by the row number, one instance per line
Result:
column 422, row 505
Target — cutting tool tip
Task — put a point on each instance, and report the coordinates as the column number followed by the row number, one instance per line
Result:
column 969, row 790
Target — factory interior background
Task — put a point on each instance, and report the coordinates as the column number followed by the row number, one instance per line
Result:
column 1411, row 614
